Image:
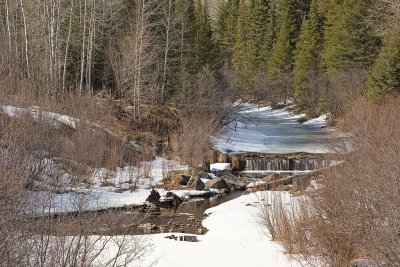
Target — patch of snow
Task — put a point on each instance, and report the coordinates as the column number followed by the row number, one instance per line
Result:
column 321, row 120
column 128, row 186
column 255, row 184
column 54, row 118
column 211, row 175
column 234, row 239
column 220, row 167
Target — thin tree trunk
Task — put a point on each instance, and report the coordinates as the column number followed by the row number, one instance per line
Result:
column 166, row 51
column 83, row 48
column 26, row 40
column 67, row 48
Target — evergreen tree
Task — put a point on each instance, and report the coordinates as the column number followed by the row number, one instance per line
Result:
column 271, row 34
column 240, row 50
column 232, row 14
column 349, row 42
column 384, row 75
column 221, row 23
column 291, row 16
column 259, row 45
column 308, row 49
column 206, row 49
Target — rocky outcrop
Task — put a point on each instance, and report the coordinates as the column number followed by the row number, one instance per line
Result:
column 153, row 198
column 216, row 183
column 170, row 200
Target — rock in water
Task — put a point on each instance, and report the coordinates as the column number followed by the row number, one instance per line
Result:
column 154, row 198
column 171, row 200
column 196, row 184
column 216, row 183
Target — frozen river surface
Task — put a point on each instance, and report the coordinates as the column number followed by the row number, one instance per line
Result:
column 267, row 130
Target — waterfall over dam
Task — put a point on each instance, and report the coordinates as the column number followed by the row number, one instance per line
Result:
column 285, row 164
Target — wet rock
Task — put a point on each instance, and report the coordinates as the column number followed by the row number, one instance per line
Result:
column 184, row 179
column 203, row 175
column 223, row 192
column 223, row 173
column 154, row 198
column 196, row 183
column 236, row 183
column 216, row 183
column 172, row 237
column 188, row 238
column 171, row 200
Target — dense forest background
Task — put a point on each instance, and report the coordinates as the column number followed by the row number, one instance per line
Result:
column 322, row 53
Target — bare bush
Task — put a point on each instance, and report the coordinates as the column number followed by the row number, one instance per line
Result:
column 204, row 108
column 354, row 213
column 282, row 216
column 30, row 147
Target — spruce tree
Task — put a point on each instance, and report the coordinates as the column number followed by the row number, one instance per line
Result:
column 349, row 40
column 291, row 16
column 384, row 76
column 232, row 14
column 308, row 49
column 206, row 50
column 258, row 43
column 240, row 49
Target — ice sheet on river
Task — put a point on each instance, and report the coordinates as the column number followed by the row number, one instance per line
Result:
column 267, row 130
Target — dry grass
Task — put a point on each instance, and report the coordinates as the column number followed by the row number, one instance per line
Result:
column 354, row 214
column 26, row 145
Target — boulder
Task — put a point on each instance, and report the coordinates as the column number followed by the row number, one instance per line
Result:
column 154, row 198
column 236, row 183
column 203, row 175
column 184, row 179
column 216, row 183
column 223, row 173
column 171, row 200
column 196, row 183
column 272, row 177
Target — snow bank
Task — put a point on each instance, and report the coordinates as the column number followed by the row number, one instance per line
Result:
column 220, row 167
column 36, row 113
column 234, row 239
column 112, row 189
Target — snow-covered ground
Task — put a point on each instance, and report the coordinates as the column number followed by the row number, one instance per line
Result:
column 112, row 189
column 267, row 130
column 36, row 113
column 235, row 239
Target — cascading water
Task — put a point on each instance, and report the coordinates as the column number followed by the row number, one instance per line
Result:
column 285, row 164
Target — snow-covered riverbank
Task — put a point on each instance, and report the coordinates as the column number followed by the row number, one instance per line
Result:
column 235, row 239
